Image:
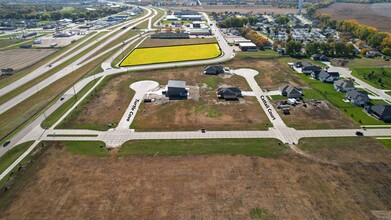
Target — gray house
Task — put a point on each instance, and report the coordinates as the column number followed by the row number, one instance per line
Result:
column 344, row 85
column 214, row 70
column 176, row 88
column 328, row 76
column 358, row 98
column 290, row 91
column 229, row 93
column 383, row 112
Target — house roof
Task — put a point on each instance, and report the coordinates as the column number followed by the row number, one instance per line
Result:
column 382, row 110
column 230, row 90
column 289, row 90
column 216, row 69
column 358, row 95
column 176, row 83
column 344, row 83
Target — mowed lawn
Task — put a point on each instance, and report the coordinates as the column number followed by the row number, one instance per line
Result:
column 142, row 56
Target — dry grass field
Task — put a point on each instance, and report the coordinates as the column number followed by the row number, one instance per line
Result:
column 61, row 185
column 174, row 42
column 113, row 98
column 272, row 73
column 375, row 15
column 22, row 58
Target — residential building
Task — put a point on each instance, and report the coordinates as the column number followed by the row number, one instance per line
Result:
column 344, row 85
column 359, row 98
column 382, row 112
column 290, row 91
column 176, row 88
column 214, row 70
column 328, row 76
column 320, row 57
column 229, row 93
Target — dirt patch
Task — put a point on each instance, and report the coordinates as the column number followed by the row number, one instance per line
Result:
column 22, row 58
column 209, row 113
column 66, row 186
column 320, row 115
column 367, row 14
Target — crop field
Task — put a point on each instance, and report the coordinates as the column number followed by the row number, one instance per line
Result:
column 69, row 181
column 376, row 15
column 22, row 58
column 143, row 56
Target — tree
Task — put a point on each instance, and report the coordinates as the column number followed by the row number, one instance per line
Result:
column 282, row 20
column 387, row 51
column 293, row 48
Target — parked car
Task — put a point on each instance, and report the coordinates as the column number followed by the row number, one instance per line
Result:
column 203, row 130
column 359, row 133
column 62, row 98
column 6, row 143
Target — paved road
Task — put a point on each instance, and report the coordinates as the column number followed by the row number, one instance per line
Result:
column 345, row 72
column 69, row 69
column 141, row 88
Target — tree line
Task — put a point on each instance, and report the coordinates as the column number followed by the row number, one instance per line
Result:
column 373, row 37
column 47, row 12
column 252, row 35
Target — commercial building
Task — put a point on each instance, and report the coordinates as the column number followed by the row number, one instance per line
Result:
column 248, row 47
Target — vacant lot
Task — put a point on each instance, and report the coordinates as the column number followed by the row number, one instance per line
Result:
column 376, row 15
column 209, row 113
column 175, row 42
column 61, row 185
column 22, row 58
column 272, row 73
column 143, row 56
column 109, row 102
column 321, row 115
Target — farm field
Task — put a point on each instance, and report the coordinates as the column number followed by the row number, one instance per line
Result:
column 376, row 15
column 22, row 58
column 143, row 56
column 63, row 184
column 149, row 42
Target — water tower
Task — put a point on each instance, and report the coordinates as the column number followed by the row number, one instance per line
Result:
column 300, row 7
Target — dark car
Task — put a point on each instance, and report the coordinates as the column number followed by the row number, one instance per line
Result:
column 203, row 130
column 359, row 133
column 62, row 98
column 6, row 143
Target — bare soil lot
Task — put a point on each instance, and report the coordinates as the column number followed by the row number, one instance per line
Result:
column 210, row 113
column 370, row 14
column 111, row 100
column 61, row 185
column 22, row 58
column 316, row 116
column 175, row 42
